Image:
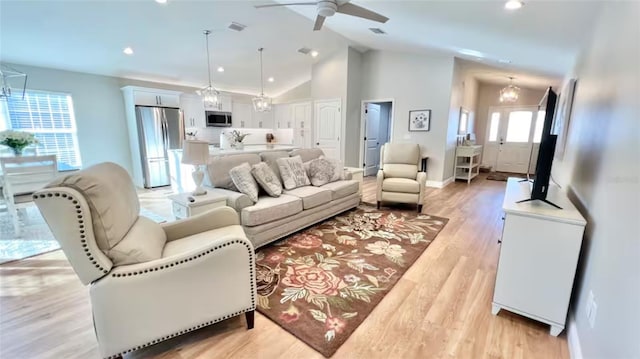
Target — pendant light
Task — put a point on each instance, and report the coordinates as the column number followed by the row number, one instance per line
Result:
column 261, row 103
column 210, row 96
column 510, row 93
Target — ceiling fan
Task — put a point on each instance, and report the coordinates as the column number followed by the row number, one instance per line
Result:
column 328, row 8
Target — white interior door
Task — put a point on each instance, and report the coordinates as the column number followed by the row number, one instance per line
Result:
column 371, row 139
column 328, row 128
column 512, row 138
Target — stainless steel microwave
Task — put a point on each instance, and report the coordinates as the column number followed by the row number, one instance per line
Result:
column 218, row 119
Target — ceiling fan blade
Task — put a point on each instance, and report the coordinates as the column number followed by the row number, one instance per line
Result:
column 355, row 10
column 293, row 3
column 319, row 22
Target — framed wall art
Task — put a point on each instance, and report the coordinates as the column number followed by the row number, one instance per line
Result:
column 419, row 120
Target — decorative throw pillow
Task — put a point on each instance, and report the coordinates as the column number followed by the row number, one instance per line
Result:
column 267, row 179
column 293, row 172
column 243, row 180
column 322, row 171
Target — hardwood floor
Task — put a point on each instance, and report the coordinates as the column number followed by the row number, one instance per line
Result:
column 441, row 308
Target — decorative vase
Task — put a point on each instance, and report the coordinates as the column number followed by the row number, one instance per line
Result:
column 17, row 151
column 239, row 146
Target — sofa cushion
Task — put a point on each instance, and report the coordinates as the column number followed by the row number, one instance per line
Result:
column 270, row 159
column 393, row 170
column 143, row 243
column 311, row 196
column 269, row 209
column 112, row 198
column 307, row 154
column 244, row 181
column 322, row 171
column 293, row 172
column 219, row 167
column 403, row 185
column 267, row 179
column 200, row 240
column 341, row 189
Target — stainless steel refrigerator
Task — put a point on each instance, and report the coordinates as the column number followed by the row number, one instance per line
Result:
column 160, row 129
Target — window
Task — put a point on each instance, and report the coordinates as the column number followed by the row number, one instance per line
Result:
column 493, row 127
column 49, row 116
column 519, row 126
column 537, row 132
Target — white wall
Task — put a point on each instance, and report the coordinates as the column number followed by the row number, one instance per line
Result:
column 300, row 92
column 415, row 82
column 353, row 109
column 601, row 169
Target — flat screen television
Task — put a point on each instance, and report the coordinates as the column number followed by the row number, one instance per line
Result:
column 546, row 151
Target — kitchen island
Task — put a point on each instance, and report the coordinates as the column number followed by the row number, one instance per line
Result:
column 181, row 180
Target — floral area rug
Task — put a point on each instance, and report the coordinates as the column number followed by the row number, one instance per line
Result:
column 321, row 283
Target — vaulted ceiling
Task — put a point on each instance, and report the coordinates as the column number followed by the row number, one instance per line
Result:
column 542, row 38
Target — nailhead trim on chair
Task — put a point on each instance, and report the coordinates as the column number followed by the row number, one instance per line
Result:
column 80, row 218
column 156, row 341
column 195, row 256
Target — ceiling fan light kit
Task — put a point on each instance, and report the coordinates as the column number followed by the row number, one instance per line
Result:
column 328, row 8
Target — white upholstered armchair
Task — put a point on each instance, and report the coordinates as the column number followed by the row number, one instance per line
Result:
column 148, row 282
column 398, row 177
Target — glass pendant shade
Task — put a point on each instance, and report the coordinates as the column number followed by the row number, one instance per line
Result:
column 210, row 96
column 261, row 103
column 510, row 93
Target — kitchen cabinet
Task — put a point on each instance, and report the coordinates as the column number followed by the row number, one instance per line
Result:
column 225, row 104
column 143, row 96
column 301, row 116
column 282, row 116
column 193, row 110
column 262, row 119
column 242, row 116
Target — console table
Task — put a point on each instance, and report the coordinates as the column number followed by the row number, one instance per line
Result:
column 538, row 255
column 467, row 162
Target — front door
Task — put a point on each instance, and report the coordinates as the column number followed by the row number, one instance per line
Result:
column 372, row 140
column 328, row 127
column 510, row 139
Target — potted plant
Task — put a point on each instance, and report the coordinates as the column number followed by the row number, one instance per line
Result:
column 17, row 140
column 236, row 138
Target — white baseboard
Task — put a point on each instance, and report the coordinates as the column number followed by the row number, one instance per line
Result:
column 439, row 184
column 575, row 350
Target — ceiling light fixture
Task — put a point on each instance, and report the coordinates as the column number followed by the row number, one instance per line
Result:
column 513, row 4
column 128, row 51
column 210, row 96
column 261, row 103
column 220, row 69
column 6, row 73
column 510, row 93
column 314, row 53
column 271, row 79
column 161, row 1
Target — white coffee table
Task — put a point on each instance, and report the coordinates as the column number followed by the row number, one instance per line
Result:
column 186, row 205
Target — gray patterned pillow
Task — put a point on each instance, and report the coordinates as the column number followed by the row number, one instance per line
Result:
column 323, row 170
column 243, row 180
column 267, row 179
column 293, row 172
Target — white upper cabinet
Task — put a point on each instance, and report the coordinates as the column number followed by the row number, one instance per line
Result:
column 242, row 115
column 282, row 116
column 262, row 119
column 193, row 110
column 143, row 96
column 224, row 104
column 302, row 115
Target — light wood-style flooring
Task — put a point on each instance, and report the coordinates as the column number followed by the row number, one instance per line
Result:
column 441, row 308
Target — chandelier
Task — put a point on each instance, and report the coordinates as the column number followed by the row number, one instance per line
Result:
column 7, row 73
column 509, row 93
column 210, row 96
column 261, row 103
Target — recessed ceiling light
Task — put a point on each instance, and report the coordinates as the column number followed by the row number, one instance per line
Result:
column 314, row 53
column 513, row 4
column 220, row 69
column 161, row 1
column 473, row 53
column 271, row 79
column 128, row 51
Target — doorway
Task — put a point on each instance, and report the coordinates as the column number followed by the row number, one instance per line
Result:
column 377, row 118
column 513, row 138
column 328, row 127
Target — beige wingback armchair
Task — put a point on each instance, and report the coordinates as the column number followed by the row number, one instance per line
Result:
column 398, row 177
column 148, row 282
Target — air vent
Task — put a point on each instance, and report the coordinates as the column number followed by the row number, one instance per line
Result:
column 377, row 30
column 237, row 27
column 304, row 50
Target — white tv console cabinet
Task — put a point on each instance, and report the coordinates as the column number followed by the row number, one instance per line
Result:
column 538, row 255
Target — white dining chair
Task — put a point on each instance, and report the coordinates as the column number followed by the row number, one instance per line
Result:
column 21, row 177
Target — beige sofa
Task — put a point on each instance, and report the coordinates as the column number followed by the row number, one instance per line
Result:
column 272, row 218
